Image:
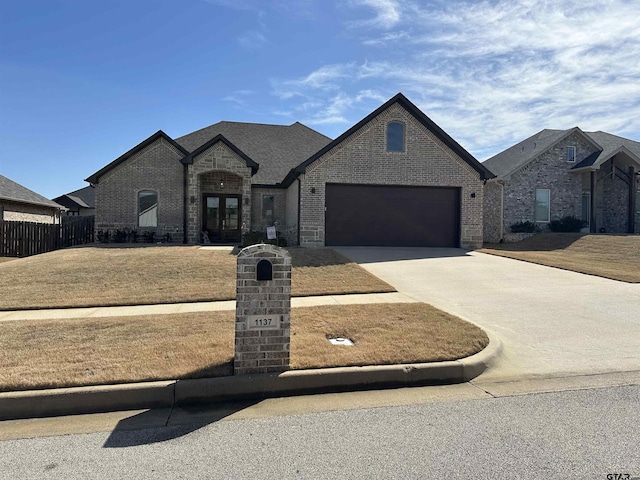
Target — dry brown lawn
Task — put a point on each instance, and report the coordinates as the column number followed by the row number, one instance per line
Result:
column 103, row 276
column 71, row 352
column 611, row 256
column 6, row 259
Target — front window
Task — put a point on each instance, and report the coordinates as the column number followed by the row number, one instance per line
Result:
column 268, row 205
column 395, row 137
column 147, row 209
column 571, row 154
column 542, row 204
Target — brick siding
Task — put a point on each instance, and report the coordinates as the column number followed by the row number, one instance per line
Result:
column 22, row 212
column 362, row 158
column 156, row 168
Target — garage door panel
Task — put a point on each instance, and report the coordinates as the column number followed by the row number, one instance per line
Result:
column 372, row 215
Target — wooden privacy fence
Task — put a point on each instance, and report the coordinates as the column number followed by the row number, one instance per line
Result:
column 21, row 239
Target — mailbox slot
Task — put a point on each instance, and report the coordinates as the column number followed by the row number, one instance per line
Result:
column 264, row 271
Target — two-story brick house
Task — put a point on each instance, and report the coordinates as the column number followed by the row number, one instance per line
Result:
column 394, row 178
column 592, row 176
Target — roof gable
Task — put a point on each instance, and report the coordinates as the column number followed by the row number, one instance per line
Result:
column 276, row 148
column 611, row 145
column 188, row 159
column 513, row 158
column 95, row 178
column 419, row 116
column 83, row 198
column 14, row 192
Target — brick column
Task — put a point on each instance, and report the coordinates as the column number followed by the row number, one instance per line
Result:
column 263, row 306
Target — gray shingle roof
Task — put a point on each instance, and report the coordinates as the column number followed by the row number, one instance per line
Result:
column 276, row 148
column 611, row 144
column 520, row 154
column 84, row 197
column 10, row 190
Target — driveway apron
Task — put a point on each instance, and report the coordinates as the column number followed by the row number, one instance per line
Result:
column 552, row 322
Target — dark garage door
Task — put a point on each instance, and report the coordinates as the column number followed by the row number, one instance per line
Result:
column 395, row 216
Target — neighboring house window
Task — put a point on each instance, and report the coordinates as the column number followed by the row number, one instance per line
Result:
column 147, row 209
column 571, row 154
column 395, row 137
column 542, row 204
column 268, row 205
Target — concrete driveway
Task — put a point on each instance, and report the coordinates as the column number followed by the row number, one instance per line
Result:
column 552, row 322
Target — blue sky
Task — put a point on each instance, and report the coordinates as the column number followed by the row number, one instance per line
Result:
column 82, row 82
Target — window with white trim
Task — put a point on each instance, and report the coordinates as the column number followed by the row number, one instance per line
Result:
column 395, row 137
column 543, row 204
column 570, row 154
column 147, row 208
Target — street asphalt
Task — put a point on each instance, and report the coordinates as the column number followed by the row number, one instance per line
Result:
column 581, row 434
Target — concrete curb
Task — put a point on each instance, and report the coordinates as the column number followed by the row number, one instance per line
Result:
column 175, row 393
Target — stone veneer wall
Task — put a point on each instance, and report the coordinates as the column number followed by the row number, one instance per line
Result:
column 262, row 351
column 218, row 158
column 549, row 170
column 156, row 168
column 362, row 158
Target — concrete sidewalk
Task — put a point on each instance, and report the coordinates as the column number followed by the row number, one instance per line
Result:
column 172, row 308
column 184, row 393
column 179, row 393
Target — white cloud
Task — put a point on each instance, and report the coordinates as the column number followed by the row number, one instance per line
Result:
column 387, row 13
column 491, row 72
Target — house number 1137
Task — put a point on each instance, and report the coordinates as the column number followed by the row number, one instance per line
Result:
column 263, row 322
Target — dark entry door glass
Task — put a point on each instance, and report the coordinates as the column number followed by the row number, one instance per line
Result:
column 212, row 218
column 221, row 218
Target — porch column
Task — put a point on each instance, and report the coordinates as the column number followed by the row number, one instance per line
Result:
column 632, row 200
column 592, row 199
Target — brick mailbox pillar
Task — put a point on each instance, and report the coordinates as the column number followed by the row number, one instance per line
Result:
column 263, row 307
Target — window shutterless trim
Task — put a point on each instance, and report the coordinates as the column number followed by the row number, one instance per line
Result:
column 566, row 153
column 535, row 211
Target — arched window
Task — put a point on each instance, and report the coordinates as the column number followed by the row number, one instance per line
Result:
column 395, row 137
column 147, row 208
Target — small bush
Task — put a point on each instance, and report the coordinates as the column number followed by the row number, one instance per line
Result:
column 566, row 224
column 524, row 227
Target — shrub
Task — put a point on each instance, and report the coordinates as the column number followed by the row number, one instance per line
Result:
column 566, row 224
column 524, row 227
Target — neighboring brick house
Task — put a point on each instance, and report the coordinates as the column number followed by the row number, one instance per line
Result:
column 395, row 178
column 79, row 202
column 556, row 173
column 19, row 204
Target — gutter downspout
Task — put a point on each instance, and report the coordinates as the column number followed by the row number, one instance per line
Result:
column 299, row 206
column 501, row 183
column 592, row 207
column 184, row 204
column 632, row 201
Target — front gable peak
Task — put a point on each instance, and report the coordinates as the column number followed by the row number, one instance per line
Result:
column 402, row 101
column 188, row 159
